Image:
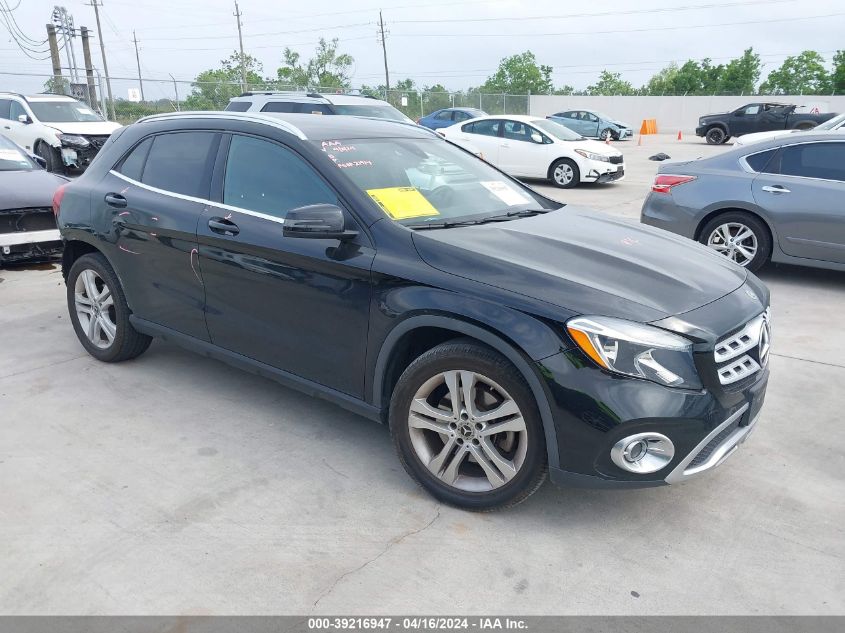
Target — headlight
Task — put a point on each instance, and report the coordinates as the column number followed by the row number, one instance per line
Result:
column 591, row 156
column 638, row 350
column 73, row 139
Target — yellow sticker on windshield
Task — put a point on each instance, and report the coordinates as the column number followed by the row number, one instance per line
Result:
column 401, row 203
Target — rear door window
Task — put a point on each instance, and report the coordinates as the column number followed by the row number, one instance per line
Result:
column 133, row 165
column 488, row 127
column 181, row 162
column 814, row 160
column 445, row 115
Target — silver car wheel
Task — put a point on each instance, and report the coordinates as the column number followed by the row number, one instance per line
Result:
column 468, row 431
column 95, row 308
column 563, row 174
column 734, row 240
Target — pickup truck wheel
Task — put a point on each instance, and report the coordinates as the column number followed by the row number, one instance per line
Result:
column 466, row 427
column 715, row 136
column 740, row 237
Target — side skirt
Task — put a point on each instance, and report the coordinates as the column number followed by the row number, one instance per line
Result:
column 308, row 387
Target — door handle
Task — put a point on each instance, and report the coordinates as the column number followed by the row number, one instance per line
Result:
column 775, row 189
column 223, row 226
column 7, row 127
column 115, row 200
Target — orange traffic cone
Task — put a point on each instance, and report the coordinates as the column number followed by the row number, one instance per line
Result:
column 680, row 136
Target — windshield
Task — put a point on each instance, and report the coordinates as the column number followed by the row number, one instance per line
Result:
column 372, row 110
column 63, row 111
column 560, row 132
column 12, row 157
column 832, row 124
column 415, row 181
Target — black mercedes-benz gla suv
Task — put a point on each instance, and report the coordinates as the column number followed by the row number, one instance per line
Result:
column 500, row 334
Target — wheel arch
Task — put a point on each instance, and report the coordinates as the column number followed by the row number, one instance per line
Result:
column 397, row 352
column 557, row 160
column 719, row 124
column 737, row 209
column 74, row 248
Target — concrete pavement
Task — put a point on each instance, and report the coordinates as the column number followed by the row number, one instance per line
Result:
column 174, row 484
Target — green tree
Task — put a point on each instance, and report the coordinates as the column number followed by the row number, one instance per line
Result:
column 213, row 88
column 611, row 84
column 519, row 75
column 837, row 77
column 740, row 76
column 57, row 85
column 326, row 69
column 802, row 74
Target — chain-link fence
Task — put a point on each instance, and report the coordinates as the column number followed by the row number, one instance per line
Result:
column 133, row 99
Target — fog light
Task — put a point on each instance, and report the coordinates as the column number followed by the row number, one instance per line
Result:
column 643, row 453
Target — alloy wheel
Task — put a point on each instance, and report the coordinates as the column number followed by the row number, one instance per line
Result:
column 94, row 305
column 563, row 174
column 467, row 430
column 734, row 240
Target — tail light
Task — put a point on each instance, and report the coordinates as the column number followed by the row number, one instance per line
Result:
column 57, row 198
column 663, row 183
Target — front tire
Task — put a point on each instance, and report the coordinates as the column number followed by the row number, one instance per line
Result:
column 99, row 312
column 739, row 236
column 607, row 135
column 466, row 427
column 715, row 136
column 564, row 173
column 51, row 157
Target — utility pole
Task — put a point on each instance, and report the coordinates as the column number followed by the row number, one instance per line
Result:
column 60, row 19
column 175, row 90
column 103, row 53
column 58, row 80
column 238, row 15
column 89, row 67
column 383, row 43
column 138, row 61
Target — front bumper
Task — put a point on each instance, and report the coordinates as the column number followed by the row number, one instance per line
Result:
column 701, row 130
column 599, row 171
column 28, row 233
column 626, row 133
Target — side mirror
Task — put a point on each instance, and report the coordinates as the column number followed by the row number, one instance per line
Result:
column 318, row 222
column 536, row 137
column 40, row 160
column 24, row 118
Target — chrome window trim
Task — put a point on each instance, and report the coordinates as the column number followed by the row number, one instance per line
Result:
column 203, row 201
column 722, row 452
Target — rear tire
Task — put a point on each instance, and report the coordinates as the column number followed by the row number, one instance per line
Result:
column 564, row 173
column 715, row 136
column 453, row 449
column 99, row 312
column 747, row 232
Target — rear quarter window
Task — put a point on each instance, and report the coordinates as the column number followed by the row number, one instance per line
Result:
column 133, row 165
column 759, row 162
column 239, row 106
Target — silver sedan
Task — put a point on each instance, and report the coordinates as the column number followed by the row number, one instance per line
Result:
column 781, row 200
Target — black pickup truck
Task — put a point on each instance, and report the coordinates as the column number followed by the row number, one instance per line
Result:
column 756, row 117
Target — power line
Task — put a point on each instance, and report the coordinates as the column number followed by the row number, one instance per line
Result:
column 693, row 7
column 591, row 32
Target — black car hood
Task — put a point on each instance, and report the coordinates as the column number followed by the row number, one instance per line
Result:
column 25, row 189
column 585, row 262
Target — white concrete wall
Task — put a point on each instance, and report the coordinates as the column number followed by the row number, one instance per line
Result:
column 672, row 113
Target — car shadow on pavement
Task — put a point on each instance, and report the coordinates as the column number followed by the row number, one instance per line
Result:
column 801, row 276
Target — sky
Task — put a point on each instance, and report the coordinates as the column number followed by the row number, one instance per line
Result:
column 454, row 43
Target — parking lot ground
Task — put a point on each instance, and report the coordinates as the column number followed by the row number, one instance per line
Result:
column 174, row 484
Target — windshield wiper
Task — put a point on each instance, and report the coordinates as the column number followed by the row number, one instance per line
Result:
column 504, row 217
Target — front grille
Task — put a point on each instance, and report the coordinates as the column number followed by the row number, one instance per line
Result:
column 616, row 160
column 745, row 352
column 705, row 453
column 97, row 141
column 27, row 220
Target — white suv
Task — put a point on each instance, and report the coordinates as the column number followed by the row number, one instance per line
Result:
column 315, row 103
column 61, row 130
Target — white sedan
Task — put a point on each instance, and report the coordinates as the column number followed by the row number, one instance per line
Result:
column 831, row 125
column 529, row 147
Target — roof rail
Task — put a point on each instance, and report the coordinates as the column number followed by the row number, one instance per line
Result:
column 225, row 114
